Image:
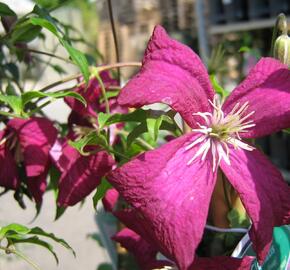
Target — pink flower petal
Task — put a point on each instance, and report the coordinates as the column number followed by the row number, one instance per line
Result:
column 92, row 95
column 263, row 192
column 222, row 263
column 37, row 186
column 110, row 199
column 267, row 89
column 36, row 137
column 172, row 74
column 170, row 197
column 80, row 174
column 144, row 253
column 8, row 169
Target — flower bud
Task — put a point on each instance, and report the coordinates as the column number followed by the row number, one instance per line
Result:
column 282, row 49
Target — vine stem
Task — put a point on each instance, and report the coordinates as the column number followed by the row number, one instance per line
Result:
column 114, row 36
column 67, row 79
column 20, row 255
column 118, row 65
column 50, row 55
column 98, row 69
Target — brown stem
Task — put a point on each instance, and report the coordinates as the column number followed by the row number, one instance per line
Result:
column 50, row 55
column 114, row 36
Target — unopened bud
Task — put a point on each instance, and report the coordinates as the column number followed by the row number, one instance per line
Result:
column 281, row 23
column 282, row 49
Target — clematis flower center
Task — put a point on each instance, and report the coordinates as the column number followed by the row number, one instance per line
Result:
column 219, row 131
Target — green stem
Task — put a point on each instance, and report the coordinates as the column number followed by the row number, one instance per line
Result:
column 118, row 153
column 20, row 255
column 107, row 105
column 9, row 114
column 40, row 107
column 103, row 89
column 139, row 141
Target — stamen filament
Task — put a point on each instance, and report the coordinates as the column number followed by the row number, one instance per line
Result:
column 220, row 132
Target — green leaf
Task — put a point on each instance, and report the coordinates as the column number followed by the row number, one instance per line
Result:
column 10, row 89
column 238, row 219
column 13, row 70
column 13, row 228
column 102, row 119
column 110, row 94
column 41, row 232
column 36, row 241
column 136, row 132
column 59, row 212
column 78, row 58
column 135, row 116
column 93, row 138
column 14, row 102
column 101, row 191
column 43, row 13
column 45, row 24
column 217, row 87
column 25, row 32
column 153, row 126
column 244, row 49
column 105, row 266
column 6, row 11
column 58, row 69
column 28, row 96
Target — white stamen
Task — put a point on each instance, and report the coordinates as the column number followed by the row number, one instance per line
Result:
column 200, row 139
column 200, row 151
column 220, row 131
column 213, row 152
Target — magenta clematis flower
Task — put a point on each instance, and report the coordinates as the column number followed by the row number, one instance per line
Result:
column 170, row 188
column 145, row 251
column 26, row 141
column 86, row 116
column 80, row 175
column 130, row 237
